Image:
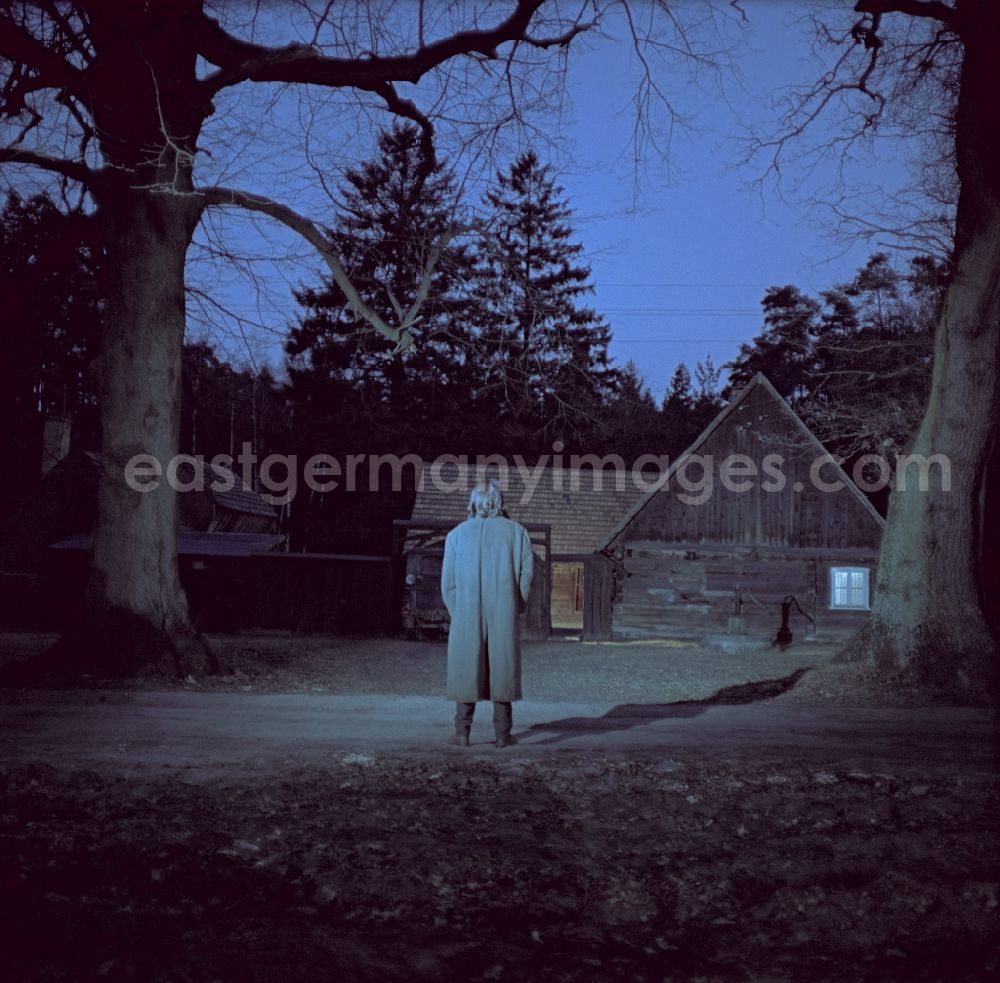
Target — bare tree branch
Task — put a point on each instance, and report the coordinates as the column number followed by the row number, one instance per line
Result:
column 74, row 169
column 914, row 8
column 240, row 60
column 407, row 109
column 53, row 70
column 309, row 231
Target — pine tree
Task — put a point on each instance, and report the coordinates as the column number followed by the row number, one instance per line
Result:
column 782, row 351
column 50, row 338
column 707, row 399
column 676, row 412
column 51, row 344
column 708, row 377
column 544, row 353
column 873, row 356
column 347, row 379
column 224, row 406
column 631, row 422
column 857, row 363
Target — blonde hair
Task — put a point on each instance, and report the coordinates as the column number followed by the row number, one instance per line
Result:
column 486, row 500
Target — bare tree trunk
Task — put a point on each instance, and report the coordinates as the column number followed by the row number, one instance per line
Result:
column 136, row 613
column 928, row 615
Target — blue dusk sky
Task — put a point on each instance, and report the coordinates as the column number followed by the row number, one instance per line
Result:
column 681, row 246
column 681, row 263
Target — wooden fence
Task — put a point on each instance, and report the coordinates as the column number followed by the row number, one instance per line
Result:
column 301, row 592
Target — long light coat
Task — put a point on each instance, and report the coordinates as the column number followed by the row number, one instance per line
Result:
column 485, row 580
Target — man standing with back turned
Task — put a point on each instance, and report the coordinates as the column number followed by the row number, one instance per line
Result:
column 485, row 582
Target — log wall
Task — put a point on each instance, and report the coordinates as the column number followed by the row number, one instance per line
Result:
column 689, row 592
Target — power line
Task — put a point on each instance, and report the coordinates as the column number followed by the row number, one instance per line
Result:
column 616, row 311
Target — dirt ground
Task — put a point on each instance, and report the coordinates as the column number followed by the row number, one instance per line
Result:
column 560, row 670
column 624, row 863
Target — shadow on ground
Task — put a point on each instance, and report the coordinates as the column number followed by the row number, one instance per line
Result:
column 628, row 715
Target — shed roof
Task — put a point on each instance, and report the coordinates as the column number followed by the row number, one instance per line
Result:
column 195, row 543
column 579, row 505
column 761, row 381
column 227, row 488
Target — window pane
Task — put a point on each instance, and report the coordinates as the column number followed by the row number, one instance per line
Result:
column 849, row 587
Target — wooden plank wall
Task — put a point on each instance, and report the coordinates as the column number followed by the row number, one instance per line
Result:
column 687, row 593
column 598, row 596
column 345, row 595
column 797, row 515
column 567, row 594
column 337, row 595
column 275, row 591
column 537, row 620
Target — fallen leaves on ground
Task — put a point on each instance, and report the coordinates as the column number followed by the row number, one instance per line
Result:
column 446, row 866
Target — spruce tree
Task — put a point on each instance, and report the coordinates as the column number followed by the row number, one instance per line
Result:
column 687, row 409
column 543, row 351
column 394, row 213
column 50, row 336
column 679, row 398
column 631, row 420
column 678, row 413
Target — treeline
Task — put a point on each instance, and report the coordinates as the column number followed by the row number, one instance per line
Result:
column 508, row 354
column 856, row 361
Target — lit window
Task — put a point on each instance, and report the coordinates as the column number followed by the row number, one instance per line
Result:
column 849, row 588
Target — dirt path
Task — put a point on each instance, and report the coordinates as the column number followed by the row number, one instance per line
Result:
column 240, row 733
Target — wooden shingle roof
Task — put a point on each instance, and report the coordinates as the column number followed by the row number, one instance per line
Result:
column 581, row 507
column 226, row 487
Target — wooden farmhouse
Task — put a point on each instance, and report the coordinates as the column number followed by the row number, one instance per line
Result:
column 569, row 513
column 752, row 514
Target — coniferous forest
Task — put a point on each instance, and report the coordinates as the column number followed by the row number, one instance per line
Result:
column 508, row 355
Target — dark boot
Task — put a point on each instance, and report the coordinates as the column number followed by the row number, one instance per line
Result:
column 503, row 718
column 463, row 723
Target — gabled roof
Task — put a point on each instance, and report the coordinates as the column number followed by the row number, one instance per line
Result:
column 579, row 509
column 758, row 380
